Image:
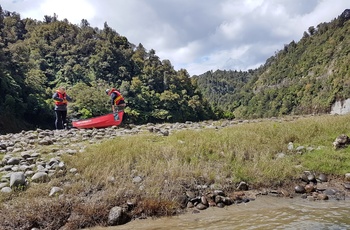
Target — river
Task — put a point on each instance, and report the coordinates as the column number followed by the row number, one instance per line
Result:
column 263, row 213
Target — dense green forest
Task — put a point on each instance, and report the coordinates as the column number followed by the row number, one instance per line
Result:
column 305, row 77
column 36, row 57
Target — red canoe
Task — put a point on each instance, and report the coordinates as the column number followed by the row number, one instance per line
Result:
column 99, row 122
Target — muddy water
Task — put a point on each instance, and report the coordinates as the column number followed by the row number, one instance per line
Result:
column 263, row 213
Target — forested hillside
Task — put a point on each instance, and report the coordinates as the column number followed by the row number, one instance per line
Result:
column 38, row 56
column 304, row 77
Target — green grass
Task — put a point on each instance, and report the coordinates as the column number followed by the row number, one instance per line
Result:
column 171, row 164
column 219, row 156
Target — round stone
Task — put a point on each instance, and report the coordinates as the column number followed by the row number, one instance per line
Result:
column 299, row 189
column 323, row 177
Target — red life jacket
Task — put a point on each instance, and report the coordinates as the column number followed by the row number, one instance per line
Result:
column 118, row 98
column 62, row 96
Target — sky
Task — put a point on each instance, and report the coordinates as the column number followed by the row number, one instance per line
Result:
column 196, row 35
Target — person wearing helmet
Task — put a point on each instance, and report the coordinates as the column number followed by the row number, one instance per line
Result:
column 117, row 101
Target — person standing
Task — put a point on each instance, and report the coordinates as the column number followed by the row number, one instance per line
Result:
column 117, row 101
column 61, row 100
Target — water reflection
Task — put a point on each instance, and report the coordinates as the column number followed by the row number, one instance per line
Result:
column 263, row 213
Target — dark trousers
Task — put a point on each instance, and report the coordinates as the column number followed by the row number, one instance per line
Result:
column 61, row 119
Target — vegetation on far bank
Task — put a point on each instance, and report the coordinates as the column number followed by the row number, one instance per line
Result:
column 170, row 165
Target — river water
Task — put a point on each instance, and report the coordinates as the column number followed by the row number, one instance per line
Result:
column 263, row 213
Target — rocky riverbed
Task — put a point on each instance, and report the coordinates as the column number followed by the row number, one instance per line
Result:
column 36, row 157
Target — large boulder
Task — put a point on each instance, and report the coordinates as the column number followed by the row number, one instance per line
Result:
column 117, row 216
column 17, row 179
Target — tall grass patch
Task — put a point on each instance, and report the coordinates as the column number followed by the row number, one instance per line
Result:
column 217, row 156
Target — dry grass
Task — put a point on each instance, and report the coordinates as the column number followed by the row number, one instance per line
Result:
column 41, row 214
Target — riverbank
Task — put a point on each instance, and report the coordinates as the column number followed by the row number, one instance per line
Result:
column 264, row 213
column 112, row 176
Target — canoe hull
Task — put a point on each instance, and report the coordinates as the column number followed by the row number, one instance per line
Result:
column 99, row 122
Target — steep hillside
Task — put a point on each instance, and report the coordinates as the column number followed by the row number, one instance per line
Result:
column 304, row 77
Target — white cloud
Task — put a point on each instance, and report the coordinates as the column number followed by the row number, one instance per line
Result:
column 73, row 10
column 194, row 34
